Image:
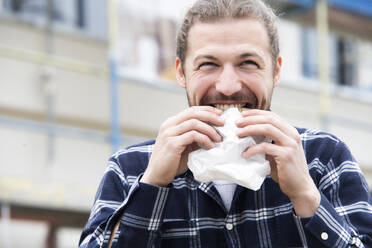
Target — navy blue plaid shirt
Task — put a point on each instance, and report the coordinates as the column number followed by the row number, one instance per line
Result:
column 191, row 214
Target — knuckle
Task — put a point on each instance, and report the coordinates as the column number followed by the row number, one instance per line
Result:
column 194, row 123
column 169, row 144
column 204, row 139
column 264, row 146
column 297, row 139
column 192, row 109
column 287, row 152
column 162, row 128
column 193, row 134
column 214, row 132
column 266, row 128
column 292, row 143
column 200, row 138
column 270, row 119
column 165, row 124
column 274, row 115
column 164, row 133
column 185, row 125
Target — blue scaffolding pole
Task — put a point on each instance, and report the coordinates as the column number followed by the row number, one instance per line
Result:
column 115, row 133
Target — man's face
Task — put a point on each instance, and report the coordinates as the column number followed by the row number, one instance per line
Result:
column 229, row 64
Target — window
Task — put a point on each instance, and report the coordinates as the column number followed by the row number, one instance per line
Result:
column 37, row 10
column 345, row 58
column 310, row 55
column 346, row 62
column 364, row 65
column 146, row 40
column 85, row 16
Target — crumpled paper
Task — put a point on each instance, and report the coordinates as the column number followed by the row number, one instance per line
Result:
column 225, row 161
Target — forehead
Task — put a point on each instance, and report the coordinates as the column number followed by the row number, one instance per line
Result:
column 237, row 35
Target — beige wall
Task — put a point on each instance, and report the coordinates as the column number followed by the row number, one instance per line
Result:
column 83, row 101
column 70, row 179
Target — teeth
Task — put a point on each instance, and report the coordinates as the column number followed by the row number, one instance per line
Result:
column 224, row 107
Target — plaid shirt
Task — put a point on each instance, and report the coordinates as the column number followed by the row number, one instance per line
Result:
column 191, row 214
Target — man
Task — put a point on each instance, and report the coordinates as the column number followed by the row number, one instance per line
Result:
column 316, row 195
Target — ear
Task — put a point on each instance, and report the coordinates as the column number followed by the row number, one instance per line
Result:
column 179, row 74
column 277, row 70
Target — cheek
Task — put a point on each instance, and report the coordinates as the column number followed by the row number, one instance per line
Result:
column 197, row 87
column 258, row 84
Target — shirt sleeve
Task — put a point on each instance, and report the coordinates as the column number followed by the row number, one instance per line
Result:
column 138, row 206
column 344, row 217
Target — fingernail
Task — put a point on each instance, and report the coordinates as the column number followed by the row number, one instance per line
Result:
column 238, row 133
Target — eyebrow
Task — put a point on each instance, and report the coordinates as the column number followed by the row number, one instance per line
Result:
column 204, row 56
column 252, row 54
column 242, row 56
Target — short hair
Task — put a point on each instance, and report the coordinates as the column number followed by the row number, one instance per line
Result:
column 209, row 11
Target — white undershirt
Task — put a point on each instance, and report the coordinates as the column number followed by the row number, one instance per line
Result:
column 226, row 190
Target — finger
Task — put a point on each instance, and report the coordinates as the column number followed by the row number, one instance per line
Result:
column 191, row 137
column 266, row 130
column 199, row 126
column 262, row 148
column 251, row 112
column 256, row 116
column 207, row 114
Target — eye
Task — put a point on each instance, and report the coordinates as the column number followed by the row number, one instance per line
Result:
column 207, row 65
column 250, row 64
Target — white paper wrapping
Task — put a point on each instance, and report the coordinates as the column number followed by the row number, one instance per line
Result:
column 225, row 161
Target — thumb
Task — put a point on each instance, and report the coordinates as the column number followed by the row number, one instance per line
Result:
column 274, row 171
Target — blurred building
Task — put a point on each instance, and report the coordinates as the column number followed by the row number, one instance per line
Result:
column 57, row 109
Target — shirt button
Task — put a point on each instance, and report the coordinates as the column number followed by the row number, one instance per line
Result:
column 324, row 235
column 229, row 226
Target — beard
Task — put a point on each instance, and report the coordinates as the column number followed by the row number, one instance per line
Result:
column 244, row 95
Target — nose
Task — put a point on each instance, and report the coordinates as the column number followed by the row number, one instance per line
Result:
column 228, row 82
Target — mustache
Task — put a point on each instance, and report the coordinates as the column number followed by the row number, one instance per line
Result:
column 244, row 95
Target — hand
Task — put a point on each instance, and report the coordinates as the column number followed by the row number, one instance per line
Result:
column 177, row 137
column 286, row 156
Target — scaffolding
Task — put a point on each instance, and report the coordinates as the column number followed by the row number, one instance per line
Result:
column 110, row 73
